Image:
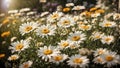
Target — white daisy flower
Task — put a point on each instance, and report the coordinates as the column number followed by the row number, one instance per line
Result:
column 19, row 46
column 78, row 7
column 64, row 44
column 66, row 22
column 47, row 52
column 12, row 11
column 100, row 51
column 74, row 45
column 96, row 35
column 24, row 10
column 78, row 60
column 84, row 27
column 45, row 30
column 55, row 16
column 107, row 39
column 99, row 60
column 107, row 24
column 31, row 13
column 69, row 4
column 44, row 13
column 27, row 64
column 77, row 37
column 27, row 27
column 111, row 58
column 13, row 57
column 59, row 58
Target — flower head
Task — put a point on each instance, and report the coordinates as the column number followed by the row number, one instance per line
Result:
column 47, row 52
column 100, row 51
column 99, row 60
column 78, row 60
column 96, row 35
column 27, row 64
column 2, row 55
column 19, row 45
column 5, row 34
column 85, row 27
column 66, row 22
column 46, row 30
column 108, row 24
column 111, row 58
column 55, row 16
column 58, row 58
column 27, row 27
column 107, row 39
column 13, row 57
column 77, row 37
column 66, row 9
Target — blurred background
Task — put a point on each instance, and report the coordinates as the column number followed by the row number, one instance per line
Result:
column 48, row 5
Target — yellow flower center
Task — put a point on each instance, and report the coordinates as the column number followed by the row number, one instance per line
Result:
column 100, row 11
column 85, row 27
column 109, row 58
column 100, row 52
column 54, row 16
column 72, row 46
column 28, row 28
column 80, row 23
column 19, row 46
column 88, row 14
column 26, row 66
column 45, row 31
column 107, row 39
column 66, row 9
column 13, row 57
column 65, row 44
column 78, row 60
column 75, row 38
column 5, row 21
column 66, row 22
column 98, row 36
column 2, row 55
column 48, row 52
column 108, row 24
column 93, row 9
column 58, row 58
column 5, row 34
column 99, row 59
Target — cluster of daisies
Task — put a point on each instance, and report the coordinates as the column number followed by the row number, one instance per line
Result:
column 62, row 38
